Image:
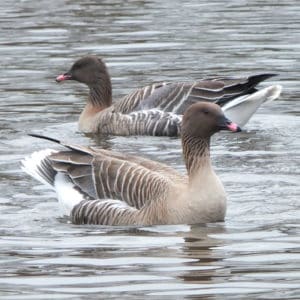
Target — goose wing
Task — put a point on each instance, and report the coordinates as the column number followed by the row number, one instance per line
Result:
column 121, row 190
column 176, row 97
column 131, row 101
column 103, row 174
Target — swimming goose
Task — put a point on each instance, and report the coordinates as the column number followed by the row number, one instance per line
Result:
column 96, row 186
column 157, row 109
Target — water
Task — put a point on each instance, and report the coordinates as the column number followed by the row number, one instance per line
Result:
column 254, row 254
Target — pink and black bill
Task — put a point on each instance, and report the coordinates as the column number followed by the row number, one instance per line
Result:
column 226, row 124
column 63, row 77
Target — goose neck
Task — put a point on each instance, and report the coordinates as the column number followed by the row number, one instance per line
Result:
column 101, row 94
column 196, row 153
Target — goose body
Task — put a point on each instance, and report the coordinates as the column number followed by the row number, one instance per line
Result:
column 157, row 109
column 96, row 186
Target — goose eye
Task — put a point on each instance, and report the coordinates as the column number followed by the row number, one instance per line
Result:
column 78, row 66
column 81, row 65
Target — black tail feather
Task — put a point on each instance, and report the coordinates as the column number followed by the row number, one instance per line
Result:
column 74, row 147
column 243, row 88
column 256, row 79
column 40, row 136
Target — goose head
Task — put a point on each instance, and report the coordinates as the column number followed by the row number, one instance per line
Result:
column 200, row 121
column 89, row 70
column 203, row 119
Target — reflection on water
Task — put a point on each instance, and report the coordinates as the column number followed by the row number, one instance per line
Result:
column 254, row 254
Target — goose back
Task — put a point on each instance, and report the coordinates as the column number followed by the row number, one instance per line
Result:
column 176, row 97
column 103, row 174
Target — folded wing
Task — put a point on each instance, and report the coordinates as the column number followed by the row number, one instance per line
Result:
column 176, row 97
column 103, row 174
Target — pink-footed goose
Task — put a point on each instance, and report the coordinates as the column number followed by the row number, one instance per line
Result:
column 157, row 109
column 96, row 186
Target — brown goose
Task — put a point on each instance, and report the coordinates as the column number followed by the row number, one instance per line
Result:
column 104, row 187
column 157, row 109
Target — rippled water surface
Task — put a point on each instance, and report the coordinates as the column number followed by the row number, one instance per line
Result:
column 254, row 254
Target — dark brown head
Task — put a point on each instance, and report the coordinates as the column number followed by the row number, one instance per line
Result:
column 203, row 119
column 89, row 70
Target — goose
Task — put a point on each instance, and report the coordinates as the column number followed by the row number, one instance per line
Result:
column 96, row 186
column 157, row 109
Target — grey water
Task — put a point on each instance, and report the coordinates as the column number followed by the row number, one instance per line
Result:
column 254, row 254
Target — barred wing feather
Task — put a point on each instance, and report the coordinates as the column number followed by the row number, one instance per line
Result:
column 134, row 180
column 176, row 97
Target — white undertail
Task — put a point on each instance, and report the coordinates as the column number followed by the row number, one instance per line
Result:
column 67, row 194
column 241, row 109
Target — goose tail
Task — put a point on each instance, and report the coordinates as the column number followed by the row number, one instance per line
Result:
column 241, row 109
column 38, row 165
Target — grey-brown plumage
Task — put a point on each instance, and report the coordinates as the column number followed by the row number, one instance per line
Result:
column 104, row 187
column 157, row 109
